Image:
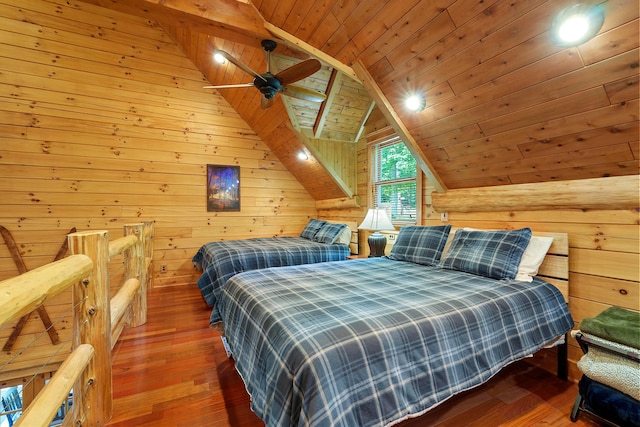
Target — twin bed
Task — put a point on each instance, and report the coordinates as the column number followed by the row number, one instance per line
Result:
column 371, row 342
column 319, row 241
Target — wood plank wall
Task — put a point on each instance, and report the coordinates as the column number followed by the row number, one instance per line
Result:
column 339, row 157
column 103, row 121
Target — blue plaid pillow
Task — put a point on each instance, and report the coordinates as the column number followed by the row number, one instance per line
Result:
column 312, row 227
column 420, row 244
column 494, row 254
column 329, row 233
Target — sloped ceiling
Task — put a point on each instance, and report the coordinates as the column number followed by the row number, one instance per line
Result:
column 504, row 105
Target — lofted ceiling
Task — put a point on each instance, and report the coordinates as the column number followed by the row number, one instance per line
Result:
column 504, row 105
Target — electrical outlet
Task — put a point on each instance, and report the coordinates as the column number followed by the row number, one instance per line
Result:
column 444, row 216
column 163, row 268
column 392, row 237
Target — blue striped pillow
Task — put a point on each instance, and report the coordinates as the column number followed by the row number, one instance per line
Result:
column 420, row 244
column 494, row 254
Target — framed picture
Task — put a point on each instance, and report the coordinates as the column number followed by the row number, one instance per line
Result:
column 223, row 188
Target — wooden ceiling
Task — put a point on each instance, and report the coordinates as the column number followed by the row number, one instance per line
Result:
column 504, row 105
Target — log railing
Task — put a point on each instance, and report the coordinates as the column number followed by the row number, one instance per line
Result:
column 98, row 318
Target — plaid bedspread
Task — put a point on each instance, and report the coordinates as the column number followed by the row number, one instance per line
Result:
column 371, row 342
column 221, row 260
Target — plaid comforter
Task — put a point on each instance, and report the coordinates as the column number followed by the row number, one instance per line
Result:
column 371, row 342
column 221, row 260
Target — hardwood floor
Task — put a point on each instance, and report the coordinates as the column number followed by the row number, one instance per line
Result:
column 173, row 371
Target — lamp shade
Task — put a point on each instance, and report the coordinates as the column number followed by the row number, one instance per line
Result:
column 376, row 220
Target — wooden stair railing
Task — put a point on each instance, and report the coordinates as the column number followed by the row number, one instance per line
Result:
column 98, row 319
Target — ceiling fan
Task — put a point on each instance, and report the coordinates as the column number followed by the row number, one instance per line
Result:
column 269, row 84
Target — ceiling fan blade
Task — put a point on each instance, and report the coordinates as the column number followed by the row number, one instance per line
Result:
column 303, row 93
column 298, row 71
column 266, row 102
column 229, row 86
column 239, row 64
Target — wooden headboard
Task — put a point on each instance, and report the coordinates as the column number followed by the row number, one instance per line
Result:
column 353, row 226
column 555, row 267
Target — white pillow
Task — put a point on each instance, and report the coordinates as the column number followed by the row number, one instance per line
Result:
column 531, row 258
column 345, row 236
column 447, row 244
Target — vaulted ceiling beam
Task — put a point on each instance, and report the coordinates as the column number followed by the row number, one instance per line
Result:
column 295, row 42
column 332, row 88
column 363, row 122
column 229, row 19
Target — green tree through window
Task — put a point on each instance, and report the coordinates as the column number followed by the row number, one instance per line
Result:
column 395, row 183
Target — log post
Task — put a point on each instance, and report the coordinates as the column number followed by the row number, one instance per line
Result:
column 93, row 396
column 135, row 267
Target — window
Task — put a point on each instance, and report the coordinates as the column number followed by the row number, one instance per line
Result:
column 10, row 405
column 394, row 184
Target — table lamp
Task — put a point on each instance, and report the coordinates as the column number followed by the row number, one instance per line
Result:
column 376, row 220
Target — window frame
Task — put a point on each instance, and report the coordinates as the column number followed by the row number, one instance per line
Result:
column 374, row 183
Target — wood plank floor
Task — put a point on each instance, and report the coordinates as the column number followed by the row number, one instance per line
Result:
column 173, row 371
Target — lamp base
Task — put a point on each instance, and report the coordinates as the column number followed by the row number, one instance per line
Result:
column 377, row 243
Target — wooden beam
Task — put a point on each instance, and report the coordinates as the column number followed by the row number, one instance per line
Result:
column 229, row 19
column 364, row 121
column 332, row 88
column 396, row 123
column 295, row 42
column 619, row 192
column 291, row 112
column 341, row 203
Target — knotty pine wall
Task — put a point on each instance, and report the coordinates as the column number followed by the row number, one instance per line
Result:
column 337, row 156
column 103, row 122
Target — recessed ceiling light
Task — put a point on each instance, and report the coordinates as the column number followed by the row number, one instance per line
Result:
column 415, row 103
column 219, row 58
column 302, row 155
column 577, row 24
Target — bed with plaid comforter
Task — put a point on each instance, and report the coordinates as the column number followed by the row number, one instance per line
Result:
column 372, row 342
column 221, row 260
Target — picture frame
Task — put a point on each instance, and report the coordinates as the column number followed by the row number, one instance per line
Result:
column 223, row 188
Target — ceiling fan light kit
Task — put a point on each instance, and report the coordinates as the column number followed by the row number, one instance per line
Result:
column 270, row 84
